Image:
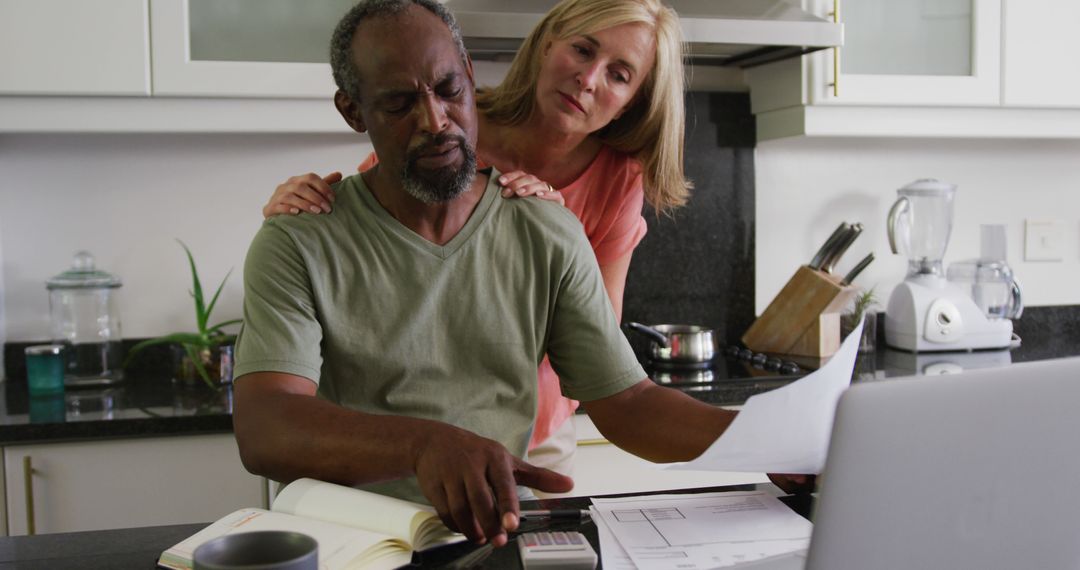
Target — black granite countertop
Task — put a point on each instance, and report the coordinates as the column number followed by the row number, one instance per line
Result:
column 141, row 406
column 149, row 404
column 139, row 548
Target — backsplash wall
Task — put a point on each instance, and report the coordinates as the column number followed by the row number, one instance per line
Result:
column 126, row 198
column 806, row 186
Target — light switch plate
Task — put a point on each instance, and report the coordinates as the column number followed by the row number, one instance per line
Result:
column 1044, row 240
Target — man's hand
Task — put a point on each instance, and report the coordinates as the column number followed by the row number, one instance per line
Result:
column 793, row 484
column 471, row 481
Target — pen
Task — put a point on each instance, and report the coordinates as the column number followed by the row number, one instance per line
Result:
column 556, row 514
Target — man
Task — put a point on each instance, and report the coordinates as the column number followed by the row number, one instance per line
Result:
column 393, row 344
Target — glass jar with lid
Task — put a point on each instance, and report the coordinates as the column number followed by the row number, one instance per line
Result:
column 83, row 317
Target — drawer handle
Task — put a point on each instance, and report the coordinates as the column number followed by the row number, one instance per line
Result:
column 28, row 481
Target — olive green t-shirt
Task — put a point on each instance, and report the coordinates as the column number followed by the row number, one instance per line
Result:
column 387, row 322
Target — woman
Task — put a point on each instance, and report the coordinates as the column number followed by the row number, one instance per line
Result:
column 592, row 106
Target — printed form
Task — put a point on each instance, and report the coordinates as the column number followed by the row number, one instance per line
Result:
column 696, row 532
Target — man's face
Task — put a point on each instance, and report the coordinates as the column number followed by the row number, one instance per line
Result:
column 416, row 103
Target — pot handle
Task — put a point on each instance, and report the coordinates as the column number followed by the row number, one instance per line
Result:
column 652, row 333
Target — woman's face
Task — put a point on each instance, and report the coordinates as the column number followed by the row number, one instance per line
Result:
column 589, row 80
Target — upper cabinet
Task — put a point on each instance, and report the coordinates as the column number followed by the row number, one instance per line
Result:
column 65, row 47
column 930, row 68
column 1040, row 57
column 216, row 66
column 927, row 52
column 244, row 48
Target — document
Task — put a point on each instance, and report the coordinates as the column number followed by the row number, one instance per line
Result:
column 785, row 430
column 698, row 531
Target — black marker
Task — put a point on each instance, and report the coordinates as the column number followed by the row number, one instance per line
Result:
column 563, row 514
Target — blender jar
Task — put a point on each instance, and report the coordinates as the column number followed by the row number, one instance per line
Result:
column 991, row 285
column 919, row 225
column 83, row 317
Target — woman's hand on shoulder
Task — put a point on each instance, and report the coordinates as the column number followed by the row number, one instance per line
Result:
column 304, row 193
column 518, row 183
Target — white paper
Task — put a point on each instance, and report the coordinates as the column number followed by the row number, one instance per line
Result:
column 612, row 555
column 785, row 430
column 699, row 531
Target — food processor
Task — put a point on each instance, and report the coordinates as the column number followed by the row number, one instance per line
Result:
column 927, row 312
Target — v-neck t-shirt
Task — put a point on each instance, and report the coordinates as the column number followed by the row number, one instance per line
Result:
column 386, row 322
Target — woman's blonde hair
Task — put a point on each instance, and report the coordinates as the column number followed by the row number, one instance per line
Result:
column 651, row 130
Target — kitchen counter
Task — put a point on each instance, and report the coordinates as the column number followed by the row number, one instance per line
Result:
column 141, row 406
column 149, row 404
column 138, row 548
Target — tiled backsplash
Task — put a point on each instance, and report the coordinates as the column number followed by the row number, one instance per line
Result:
column 697, row 265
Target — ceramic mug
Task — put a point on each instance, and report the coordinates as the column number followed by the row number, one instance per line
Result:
column 259, row 550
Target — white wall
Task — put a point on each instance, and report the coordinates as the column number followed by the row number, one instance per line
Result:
column 125, row 198
column 806, row 186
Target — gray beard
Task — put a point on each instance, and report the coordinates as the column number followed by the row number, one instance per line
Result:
column 441, row 185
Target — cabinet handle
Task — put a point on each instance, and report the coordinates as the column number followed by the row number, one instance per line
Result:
column 835, row 52
column 28, row 482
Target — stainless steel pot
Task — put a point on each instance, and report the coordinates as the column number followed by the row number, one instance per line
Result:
column 679, row 343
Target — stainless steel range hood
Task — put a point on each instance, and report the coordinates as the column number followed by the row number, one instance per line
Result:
column 741, row 33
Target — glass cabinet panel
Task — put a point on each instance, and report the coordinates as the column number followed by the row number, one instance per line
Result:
column 912, row 37
column 263, row 30
column 911, row 52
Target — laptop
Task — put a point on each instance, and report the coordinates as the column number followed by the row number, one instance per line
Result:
column 969, row 471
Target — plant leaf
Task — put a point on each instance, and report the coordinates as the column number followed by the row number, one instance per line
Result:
column 178, row 338
column 219, row 326
column 213, row 301
column 195, row 360
column 196, row 292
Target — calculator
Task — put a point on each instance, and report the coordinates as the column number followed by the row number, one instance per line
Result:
column 569, row 550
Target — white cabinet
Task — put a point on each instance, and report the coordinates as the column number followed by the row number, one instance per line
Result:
column 930, row 68
column 244, row 48
column 929, row 52
column 74, row 47
column 600, row 468
column 68, row 487
column 1040, row 58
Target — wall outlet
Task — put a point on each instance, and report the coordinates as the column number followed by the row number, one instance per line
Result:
column 1044, row 240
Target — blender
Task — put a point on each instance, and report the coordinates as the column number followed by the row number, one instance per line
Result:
column 927, row 312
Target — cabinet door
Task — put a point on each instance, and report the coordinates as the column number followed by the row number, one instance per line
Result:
column 126, row 483
column 244, row 48
column 74, row 47
column 920, row 52
column 1041, row 68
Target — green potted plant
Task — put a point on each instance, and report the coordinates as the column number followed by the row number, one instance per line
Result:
column 207, row 352
column 863, row 303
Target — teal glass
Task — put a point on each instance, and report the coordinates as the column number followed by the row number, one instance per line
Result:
column 45, row 369
column 48, row 409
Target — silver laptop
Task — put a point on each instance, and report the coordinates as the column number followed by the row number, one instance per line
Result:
column 978, row 470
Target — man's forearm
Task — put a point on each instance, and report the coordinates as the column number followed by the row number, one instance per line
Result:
column 285, row 436
column 658, row 423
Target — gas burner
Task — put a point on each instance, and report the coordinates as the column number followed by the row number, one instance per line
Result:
column 682, row 377
column 668, row 366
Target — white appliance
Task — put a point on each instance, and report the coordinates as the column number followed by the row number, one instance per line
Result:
column 927, row 312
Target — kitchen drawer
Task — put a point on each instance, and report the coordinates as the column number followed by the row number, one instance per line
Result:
column 70, row 487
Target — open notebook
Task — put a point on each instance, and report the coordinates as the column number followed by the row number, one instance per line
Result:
column 355, row 529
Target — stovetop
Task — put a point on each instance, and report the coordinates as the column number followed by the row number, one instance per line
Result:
column 728, row 379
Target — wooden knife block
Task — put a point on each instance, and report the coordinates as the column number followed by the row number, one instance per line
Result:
column 804, row 318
